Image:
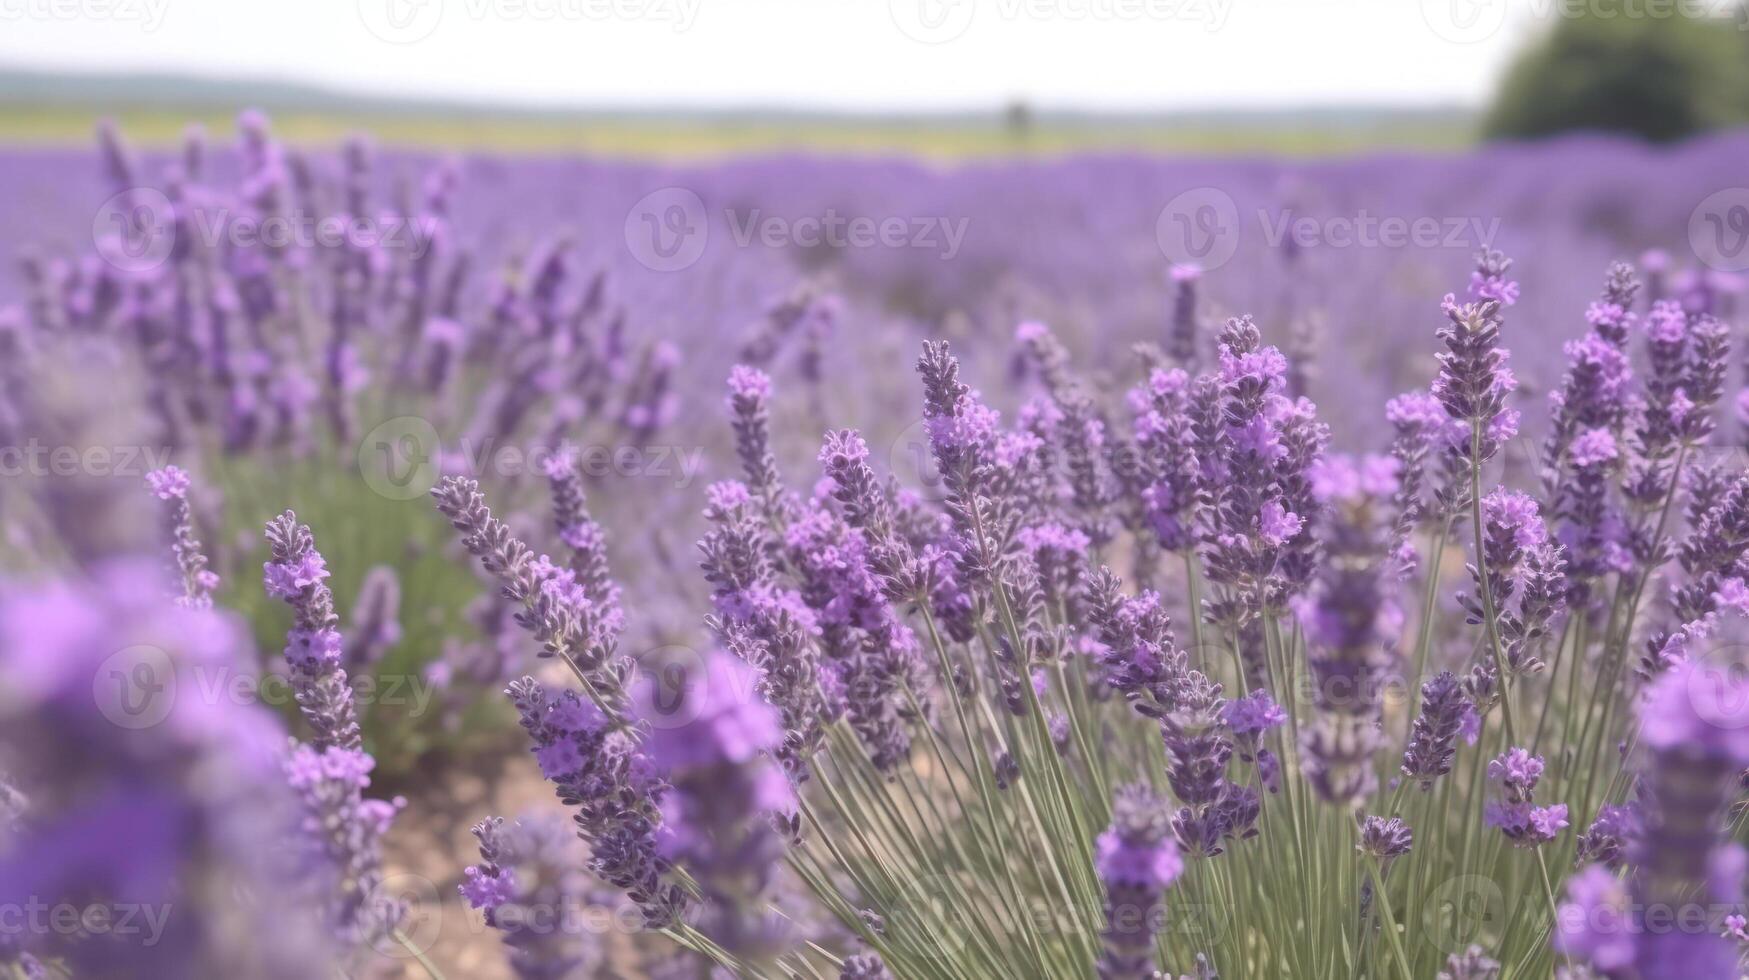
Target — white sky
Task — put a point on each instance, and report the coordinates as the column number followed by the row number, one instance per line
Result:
column 842, row 54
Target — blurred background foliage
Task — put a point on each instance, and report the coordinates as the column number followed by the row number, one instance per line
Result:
column 1662, row 78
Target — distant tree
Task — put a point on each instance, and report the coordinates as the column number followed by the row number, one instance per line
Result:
column 1661, row 78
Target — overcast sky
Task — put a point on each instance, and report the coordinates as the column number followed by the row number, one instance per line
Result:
column 849, row 54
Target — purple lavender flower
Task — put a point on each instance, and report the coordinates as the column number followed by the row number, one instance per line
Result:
column 530, row 885
column 712, row 736
column 750, row 415
column 376, row 626
column 1595, row 925
column 764, row 624
column 1611, row 836
column 864, row 504
column 1515, row 773
column 1137, row 652
column 143, row 788
column 557, row 609
column 1350, row 619
column 1215, row 809
column 1384, row 839
column 1473, row 381
column 1420, row 423
column 1259, row 508
column 876, row 653
column 1186, row 328
column 586, row 539
column 171, row 484
column 1473, row 963
column 297, row 574
column 1079, row 433
column 597, row 767
column 341, row 833
column 1432, row 744
column 864, row 966
column 1165, row 446
column 1137, row 861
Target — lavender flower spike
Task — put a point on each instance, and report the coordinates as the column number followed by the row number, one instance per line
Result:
column 1516, row 773
column 864, row 966
column 313, row 648
column 529, row 884
column 171, row 484
column 1432, row 744
column 342, row 833
column 558, row 610
column 750, row 416
column 713, row 738
column 1137, row 861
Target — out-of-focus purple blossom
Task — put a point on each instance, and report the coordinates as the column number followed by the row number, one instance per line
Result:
column 531, row 887
column 144, row 790
column 1137, row 861
column 1351, row 618
column 864, row 966
column 376, row 623
column 712, row 736
column 341, row 833
column 1473, row 963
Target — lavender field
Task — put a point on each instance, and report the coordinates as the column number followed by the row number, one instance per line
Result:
column 815, row 566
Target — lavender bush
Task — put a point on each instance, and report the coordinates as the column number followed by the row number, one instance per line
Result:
column 1132, row 665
